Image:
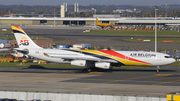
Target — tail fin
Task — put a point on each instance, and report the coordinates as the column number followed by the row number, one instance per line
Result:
column 23, row 40
column 97, row 22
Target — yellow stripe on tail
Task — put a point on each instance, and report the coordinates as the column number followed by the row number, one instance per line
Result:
column 17, row 28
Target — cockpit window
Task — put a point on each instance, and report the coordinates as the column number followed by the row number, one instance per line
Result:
column 168, row 56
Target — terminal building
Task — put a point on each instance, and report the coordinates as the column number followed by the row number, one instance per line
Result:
column 87, row 21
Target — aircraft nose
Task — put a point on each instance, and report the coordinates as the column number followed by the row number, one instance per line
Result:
column 172, row 60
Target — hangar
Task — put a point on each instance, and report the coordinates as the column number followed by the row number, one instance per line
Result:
column 87, row 21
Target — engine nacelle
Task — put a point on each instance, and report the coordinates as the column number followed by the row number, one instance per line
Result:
column 78, row 62
column 103, row 65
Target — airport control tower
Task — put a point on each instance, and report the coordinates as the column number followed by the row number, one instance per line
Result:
column 62, row 11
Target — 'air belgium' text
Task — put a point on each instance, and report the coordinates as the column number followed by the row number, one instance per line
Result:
column 142, row 55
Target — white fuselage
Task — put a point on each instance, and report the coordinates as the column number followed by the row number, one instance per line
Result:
column 127, row 57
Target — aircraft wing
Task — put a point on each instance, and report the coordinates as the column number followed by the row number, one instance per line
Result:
column 83, row 58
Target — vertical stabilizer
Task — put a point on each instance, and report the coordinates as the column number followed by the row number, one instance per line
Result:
column 97, row 22
column 23, row 40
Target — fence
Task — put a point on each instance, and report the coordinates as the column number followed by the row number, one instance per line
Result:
column 38, row 96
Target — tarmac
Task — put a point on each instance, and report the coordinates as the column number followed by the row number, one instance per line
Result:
column 129, row 82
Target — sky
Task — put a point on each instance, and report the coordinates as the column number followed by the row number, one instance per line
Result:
column 89, row 2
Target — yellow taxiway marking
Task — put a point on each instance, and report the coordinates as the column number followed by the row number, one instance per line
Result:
column 109, row 39
column 163, row 75
column 65, row 31
column 62, row 31
column 142, row 86
column 95, row 72
column 66, row 39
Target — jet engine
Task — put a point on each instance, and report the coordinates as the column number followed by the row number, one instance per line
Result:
column 78, row 62
column 103, row 65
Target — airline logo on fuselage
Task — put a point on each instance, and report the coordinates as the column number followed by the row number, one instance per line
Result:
column 24, row 41
column 142, row 55
column 81, row 63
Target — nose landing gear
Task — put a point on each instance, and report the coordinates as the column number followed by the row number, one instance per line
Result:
column 157, row 70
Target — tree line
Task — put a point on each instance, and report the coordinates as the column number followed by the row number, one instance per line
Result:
column 86, row 11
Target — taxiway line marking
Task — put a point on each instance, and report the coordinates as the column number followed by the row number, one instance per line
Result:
column 142, row 86
column 108, row 39
column 66, row 39
column 96, row 72
column 62, row 31
column 163, row 75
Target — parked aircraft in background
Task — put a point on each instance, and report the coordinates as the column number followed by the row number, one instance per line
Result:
column 5, row 47
column 90, row 58
column 104, row 25
column 16, row 54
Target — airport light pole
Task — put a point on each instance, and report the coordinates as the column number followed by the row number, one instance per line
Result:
column 166, row 9
column 156, row 8
column 54, row 17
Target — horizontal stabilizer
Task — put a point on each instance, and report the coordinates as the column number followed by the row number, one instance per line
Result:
column 23, row 51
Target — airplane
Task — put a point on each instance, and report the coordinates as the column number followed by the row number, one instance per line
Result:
column 103, row 25
column 5, row 47
column 92, row 59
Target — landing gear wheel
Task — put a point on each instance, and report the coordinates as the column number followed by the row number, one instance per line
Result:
column 84, row 70
column 89, row 70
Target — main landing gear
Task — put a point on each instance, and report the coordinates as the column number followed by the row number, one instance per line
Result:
column 87, row 70
column 89, row 67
